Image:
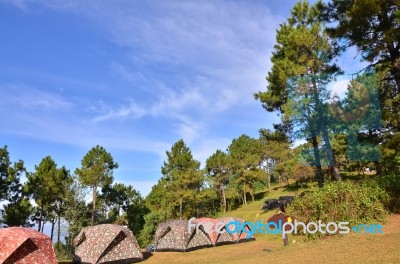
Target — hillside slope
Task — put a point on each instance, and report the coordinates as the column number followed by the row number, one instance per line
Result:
column 351, row 248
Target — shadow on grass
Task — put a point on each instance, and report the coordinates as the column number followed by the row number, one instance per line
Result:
column 147, row 255
column 261, row 195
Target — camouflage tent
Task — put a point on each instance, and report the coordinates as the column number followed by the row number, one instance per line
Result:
column 20, row 245
column 212, row 234
column 175, row 236
column 236, row 237
column 106, row 244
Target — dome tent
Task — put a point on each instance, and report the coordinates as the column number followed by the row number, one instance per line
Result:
column 227, row 238
column 106, row 243
column 174, row 236
column 21, row 245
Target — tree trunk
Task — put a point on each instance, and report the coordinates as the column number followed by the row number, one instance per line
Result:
column 331, row 156
column 223, row 200
column 378, row 167
column 52, row 229
column 244, row 195
column 59, row 229
column 315, row 149
column 40, row 219
column 317, row 157
column 180, row 207
column 94, row 204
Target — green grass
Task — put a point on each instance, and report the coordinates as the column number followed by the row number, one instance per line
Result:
column 251, row 211
column 351, row 248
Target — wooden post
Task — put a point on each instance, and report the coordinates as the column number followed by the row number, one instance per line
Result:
column 286, row 240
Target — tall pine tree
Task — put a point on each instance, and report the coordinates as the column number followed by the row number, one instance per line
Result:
column 302, row 67
column 182, row 177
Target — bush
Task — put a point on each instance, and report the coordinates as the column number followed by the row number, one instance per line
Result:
column 63, row 252
column 341, row 201
column 391, row 183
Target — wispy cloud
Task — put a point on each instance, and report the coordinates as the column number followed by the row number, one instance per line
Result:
column 176, row 69
column 21, row 96
column 132, row 110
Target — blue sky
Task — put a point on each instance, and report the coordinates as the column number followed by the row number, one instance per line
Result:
column 134, row 77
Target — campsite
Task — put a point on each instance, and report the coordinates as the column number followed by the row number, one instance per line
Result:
column 213, row 131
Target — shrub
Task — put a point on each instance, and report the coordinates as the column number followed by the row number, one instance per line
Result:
column 63, row 251
column 391, row 183
column 341, row 201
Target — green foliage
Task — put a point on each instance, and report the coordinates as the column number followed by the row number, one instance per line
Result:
column 97, row 168
column 17, row 213
column 218, row 170
column 146, row 236
column 245, row 161
column 64, row 252
column 377, row 25
column 48, row 186
column 302, row 67
column 377, row 31
column 275, row 150
column 303, row 172
column 391, row 183
column 10, row 187
column 76, row 212
column 177, row 194
column 182, row 178
column 96, row 171
column 341, row 201
column 18, row 210
column 135, row 212
column 4, row 172
column 391, row 155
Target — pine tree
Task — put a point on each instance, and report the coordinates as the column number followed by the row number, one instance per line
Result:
column 182, row 176
column 245, row 161
column 301, row 70
column 96, row 171
column 218, row 168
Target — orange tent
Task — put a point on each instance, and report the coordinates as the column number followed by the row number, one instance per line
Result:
column 21, row 245
column 235, row 237
column 212, row 234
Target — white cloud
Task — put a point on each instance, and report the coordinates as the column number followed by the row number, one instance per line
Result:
column 339, row 88
column 30, row 98
column 132, row 110
column 190, row 64
column 204, row 149
column 226, row 43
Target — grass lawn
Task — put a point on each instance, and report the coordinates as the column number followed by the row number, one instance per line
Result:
column 351, row 248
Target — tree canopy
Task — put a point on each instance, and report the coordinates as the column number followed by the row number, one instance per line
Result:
column 96, row 171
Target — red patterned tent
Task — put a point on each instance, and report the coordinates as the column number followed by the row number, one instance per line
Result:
column 106, row 244
column 21, row 245
column 213, row 235
column 235, row 237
